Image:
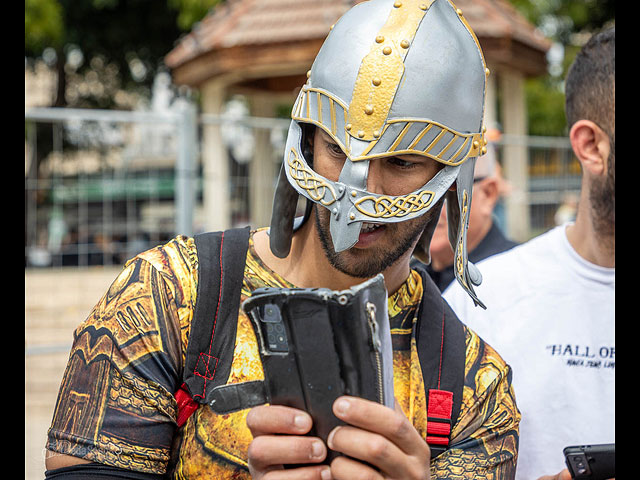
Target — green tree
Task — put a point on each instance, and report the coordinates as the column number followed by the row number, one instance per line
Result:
column 568, row 23
column 113, row 44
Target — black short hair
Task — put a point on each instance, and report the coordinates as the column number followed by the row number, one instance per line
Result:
column 590, row 82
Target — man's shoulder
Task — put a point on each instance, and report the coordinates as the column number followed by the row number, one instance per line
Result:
column 180, row 256
column 533, row 247
column 504, row 271
column 174, row 256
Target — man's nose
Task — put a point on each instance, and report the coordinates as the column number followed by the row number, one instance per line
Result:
column 443, row 214
column 375, row 178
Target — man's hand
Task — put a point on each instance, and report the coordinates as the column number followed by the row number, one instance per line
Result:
column 563, row 475
column 379, row 436
column 270, row 450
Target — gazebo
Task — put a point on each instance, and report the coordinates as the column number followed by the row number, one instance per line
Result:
column 263, row 49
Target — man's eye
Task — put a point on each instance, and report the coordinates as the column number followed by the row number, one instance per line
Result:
column 335, row 149
column 398, row 162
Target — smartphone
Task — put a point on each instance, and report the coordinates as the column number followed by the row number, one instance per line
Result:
column 317, row 344
column 593, row 462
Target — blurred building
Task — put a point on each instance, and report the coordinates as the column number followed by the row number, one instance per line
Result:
column 101, row 186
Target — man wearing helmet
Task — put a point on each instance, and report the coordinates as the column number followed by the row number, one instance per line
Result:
column 387, row 127
column 379, row 246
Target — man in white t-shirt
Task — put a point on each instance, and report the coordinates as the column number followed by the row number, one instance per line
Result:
column 550, row 302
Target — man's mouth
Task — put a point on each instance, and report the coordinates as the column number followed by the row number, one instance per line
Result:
column 369, row 227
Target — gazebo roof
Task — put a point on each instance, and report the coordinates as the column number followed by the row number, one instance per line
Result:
column 253, row 41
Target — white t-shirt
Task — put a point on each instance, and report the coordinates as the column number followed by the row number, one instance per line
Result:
column 551, row 316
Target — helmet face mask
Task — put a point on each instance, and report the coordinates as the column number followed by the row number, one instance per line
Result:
column 409, row 80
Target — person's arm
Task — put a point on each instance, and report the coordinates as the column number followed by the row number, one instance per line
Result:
column 54, row 461
column 115, row 406
column 97, row 471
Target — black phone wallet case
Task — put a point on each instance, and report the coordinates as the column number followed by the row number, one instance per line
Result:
column 316, row 345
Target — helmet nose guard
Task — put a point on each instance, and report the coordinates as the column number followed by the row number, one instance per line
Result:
column 408, row 80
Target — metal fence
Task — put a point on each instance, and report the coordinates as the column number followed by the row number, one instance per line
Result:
column 553, row 177
column 101, row 186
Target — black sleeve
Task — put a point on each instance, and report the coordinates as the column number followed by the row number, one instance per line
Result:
column 97, row 471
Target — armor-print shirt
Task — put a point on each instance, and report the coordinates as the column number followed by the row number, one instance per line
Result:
column 116, row 403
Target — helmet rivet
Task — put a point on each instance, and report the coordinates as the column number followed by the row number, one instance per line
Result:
column 397, row 4
column 459, row 12
column 353, row 193
column 368, row 109
column 376, row 133
column 386, row 50
column 404, row 43
column 484, row 150
column 348, row 127
column 331, row 28
column 334, row 211
column 360, row 133
column 379, row 39
column 423, row 6
column 487, row 72
column 352, row 216
column 476, row 144
column 376, row 81
column 308, row 73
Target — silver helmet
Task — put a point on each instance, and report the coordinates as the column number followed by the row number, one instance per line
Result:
column 393, row 77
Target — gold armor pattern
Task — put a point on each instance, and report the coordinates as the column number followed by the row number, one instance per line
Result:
column 116, row 403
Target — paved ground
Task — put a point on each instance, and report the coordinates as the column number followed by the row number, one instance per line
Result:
column 56, row 301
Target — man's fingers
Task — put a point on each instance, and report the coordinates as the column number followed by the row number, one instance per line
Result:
column 268, row 450
column 563, row 475
column 270, row 419
column 377, row 418
column 366, row 446
column 320, row 472
column 344, row 468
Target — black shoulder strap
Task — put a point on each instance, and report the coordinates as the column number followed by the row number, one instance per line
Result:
column 441, row 343
column 221, row 263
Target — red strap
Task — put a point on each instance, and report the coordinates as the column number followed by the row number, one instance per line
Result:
column 431, row 440
column 186, row 405
column 437, row 428
column 439, row 408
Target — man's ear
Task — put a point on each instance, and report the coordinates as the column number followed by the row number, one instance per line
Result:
column 491, row 190
column 591, row 145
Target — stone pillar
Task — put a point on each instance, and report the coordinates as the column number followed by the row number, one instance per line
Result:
column 491, row 101
column 215, row 161
column 263, row 168
column 515, row 157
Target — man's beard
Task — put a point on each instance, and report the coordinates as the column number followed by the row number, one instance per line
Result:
column 603, row 199
column 367, row 263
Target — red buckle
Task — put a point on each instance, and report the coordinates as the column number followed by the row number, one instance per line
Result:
column 186, row 405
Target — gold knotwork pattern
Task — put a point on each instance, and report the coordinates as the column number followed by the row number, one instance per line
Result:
column 389, row 207
column 309, row 181
column 460, row 256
